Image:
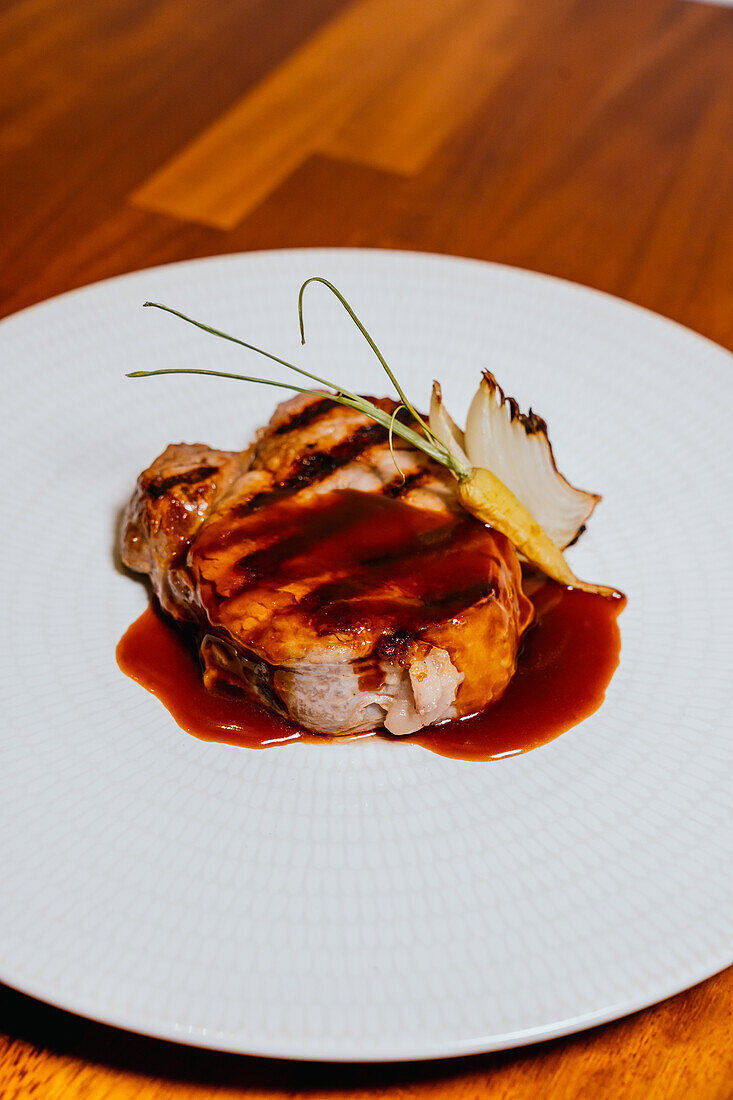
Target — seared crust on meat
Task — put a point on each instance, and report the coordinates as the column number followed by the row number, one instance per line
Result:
column 300, row 599
column 170, row 502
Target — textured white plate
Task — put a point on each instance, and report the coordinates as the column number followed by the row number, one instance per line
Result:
column 366, row 901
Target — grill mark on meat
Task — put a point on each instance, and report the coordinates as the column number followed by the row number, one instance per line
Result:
column 316, row 466
column 319, row 464
column 320, row 408
column 268, row 562
column 264, row 499
column 315, row 411
column 299, row 541
column 345, row 610
column 402, row 485
column 356, row 561
column 160, row 486
column 469, row 596
column 295, row 540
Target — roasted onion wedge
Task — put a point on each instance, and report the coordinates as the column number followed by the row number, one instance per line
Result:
column 515, row 447
column 516, row 444
column 445, row 428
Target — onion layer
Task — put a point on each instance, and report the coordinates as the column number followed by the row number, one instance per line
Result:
column 516, row 448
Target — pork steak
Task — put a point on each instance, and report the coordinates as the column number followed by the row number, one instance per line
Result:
column 323, row 582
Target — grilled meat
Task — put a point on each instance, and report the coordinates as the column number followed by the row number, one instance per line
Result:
column 323, row 582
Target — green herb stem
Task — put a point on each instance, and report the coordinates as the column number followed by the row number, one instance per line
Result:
column 369, row 340
column 244, row 344
column 428, row 443
column 359, row 404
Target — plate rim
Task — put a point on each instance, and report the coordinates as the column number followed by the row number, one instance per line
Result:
column 296, row 1050
column 582, row 288
column 231, row 1043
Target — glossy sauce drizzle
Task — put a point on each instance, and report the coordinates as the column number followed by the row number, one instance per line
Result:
column 565, row 665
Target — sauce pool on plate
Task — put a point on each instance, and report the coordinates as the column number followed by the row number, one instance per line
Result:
column 565, row 665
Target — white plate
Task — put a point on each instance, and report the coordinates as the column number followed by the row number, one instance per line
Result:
column 365, row 901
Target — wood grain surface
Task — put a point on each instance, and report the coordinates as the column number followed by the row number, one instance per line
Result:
column 590, row 139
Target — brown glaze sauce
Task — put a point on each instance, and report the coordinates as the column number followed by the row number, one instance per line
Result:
column 161, row 655
column 363, row 564
column 566, row 662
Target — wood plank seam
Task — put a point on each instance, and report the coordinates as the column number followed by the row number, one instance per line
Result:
column 344, row 92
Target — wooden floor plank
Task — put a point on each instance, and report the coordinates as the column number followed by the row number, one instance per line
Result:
column 236, row 163
column 450, row 73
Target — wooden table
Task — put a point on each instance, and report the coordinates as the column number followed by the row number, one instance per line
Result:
column 591, row 140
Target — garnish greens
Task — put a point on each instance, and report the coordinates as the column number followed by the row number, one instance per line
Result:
column 479, row 490
column 427, row 442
